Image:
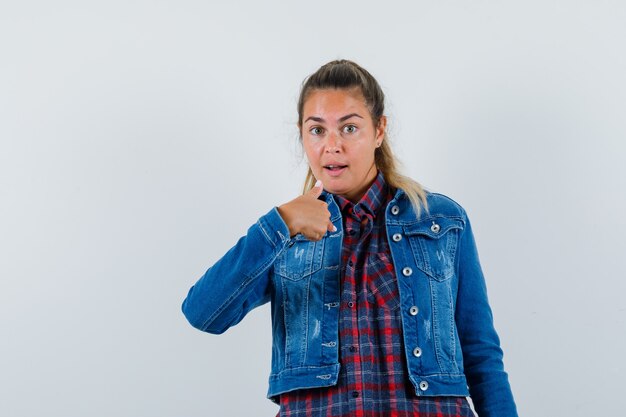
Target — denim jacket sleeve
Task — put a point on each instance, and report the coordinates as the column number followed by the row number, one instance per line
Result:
column 482, row 356
column 240, row 280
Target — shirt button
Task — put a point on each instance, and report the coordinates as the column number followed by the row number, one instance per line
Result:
column 351, row 232
column 397, row 237
column 350, row 263
column 406, row 271
column 413, row 311
column 423, row 385
column 350, row 304
column 417, row 352
column 355, row 394
column 352, row 349
column 395, row 210
column 435, row 228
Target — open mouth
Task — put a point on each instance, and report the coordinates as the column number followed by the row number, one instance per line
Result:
column 334, row 168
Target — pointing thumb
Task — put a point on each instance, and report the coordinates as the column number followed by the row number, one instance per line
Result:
column 317, row 189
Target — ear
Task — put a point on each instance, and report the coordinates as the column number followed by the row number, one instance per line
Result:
column 380, row 130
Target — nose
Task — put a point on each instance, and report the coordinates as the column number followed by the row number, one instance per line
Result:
column 333, row 143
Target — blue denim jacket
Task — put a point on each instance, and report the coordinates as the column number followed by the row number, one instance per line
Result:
column 449, row 338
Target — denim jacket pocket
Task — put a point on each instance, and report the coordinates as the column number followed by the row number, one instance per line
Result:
column 434, row 243
column 301, row 259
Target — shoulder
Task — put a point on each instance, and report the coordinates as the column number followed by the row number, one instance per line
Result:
column 438, row 206
column 437, row 203
column 441, row 204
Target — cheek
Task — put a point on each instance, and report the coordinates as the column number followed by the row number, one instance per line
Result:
column 312, row 150
column 363, row 154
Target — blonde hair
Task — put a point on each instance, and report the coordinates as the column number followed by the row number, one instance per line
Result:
column 344, row 74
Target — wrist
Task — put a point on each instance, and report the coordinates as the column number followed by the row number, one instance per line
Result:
column 284, row 212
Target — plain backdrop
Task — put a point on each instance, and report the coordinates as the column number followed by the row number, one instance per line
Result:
column 140, row 139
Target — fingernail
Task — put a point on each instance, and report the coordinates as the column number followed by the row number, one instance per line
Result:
column 318, row 183
column 334, row 228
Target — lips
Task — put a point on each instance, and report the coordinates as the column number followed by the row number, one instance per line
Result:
column 334, row 170
column 334, row 167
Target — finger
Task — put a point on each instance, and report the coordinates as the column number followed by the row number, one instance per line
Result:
column 313, row 237
column 317, row 189
column 331, row 227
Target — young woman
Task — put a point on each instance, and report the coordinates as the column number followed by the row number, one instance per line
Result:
column 379, row 305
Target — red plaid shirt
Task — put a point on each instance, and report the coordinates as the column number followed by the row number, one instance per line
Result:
column 373, row 380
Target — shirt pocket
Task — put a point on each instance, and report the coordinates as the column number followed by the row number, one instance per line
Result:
column 301, row 259
column 434, row 244
column 381, row 284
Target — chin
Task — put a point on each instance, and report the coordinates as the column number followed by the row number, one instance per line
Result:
column 332, row 184
column 336, row 191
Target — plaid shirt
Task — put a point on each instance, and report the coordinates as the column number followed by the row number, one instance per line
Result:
column 373, row 380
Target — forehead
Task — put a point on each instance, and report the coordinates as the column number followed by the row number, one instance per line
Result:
column 334, row 103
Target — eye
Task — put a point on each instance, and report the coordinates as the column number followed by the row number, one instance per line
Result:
column 349, row 128
column 316, row 130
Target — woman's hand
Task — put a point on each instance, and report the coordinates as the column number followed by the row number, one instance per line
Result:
column 307, row 215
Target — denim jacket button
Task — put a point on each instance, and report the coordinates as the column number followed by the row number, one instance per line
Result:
column 417, row 352
column 406, row 271
column 397, row 237
column 435, row 228
column 423, row 385
column 413, row 311
column 395, row 210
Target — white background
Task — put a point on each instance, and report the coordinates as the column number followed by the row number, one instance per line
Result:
column 140, row 139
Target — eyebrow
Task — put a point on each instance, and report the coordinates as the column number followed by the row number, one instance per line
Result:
column 341, row 119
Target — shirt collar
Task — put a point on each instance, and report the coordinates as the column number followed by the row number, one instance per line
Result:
column 372, row 200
